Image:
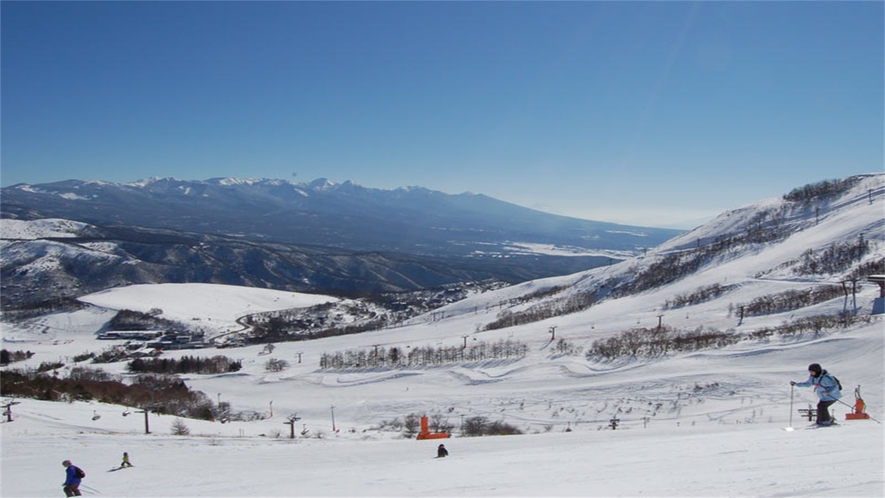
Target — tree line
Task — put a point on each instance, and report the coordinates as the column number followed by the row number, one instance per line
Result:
column 700, row 295
column 659, row 341
column 14, row 312
column 833, row 259
column 472, row 426
column 646, row 342
column 161, row 393
column 542, row 311
column 127, row 320
column 821, row 190
column 791, row 300
column 395, row 357
column 7, row 357
column 185, row 365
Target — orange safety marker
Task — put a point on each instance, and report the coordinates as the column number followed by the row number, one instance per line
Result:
column 426, row 434
column 859, row 408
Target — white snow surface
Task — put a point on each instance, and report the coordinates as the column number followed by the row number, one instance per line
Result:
column 37, row 229
column 706, row 423
column 205, row 303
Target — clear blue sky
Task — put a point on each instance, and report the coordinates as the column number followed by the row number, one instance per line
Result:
column 656, row 114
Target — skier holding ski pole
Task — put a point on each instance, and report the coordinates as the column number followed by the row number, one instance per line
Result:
column 73, row 478
column 827, row 388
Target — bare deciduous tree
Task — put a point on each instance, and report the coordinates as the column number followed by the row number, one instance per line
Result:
column 179, row 428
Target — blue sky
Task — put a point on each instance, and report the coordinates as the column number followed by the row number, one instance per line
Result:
column 658, row 114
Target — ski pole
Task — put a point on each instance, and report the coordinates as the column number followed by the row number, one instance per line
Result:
column 791, row 405
column 90, row 488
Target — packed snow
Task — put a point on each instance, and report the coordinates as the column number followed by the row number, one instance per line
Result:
column 204, row 303
column 707, row 423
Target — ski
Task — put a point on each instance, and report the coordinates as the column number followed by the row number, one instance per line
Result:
column 819, row 426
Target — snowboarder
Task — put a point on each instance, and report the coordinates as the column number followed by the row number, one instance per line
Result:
column 72, row 481
column 125, row 461
column 441, row 451
column 827, row 389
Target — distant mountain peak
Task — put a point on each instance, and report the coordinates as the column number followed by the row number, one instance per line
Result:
column 144, row 182
column 325, row 183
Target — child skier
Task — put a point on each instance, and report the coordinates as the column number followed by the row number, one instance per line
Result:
column 827, row 389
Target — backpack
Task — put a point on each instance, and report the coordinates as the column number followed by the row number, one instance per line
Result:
column 836, row 379
column 79, row 472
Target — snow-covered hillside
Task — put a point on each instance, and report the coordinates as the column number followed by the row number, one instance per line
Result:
column 699, row 423
column 39, row 229
column 215, row 307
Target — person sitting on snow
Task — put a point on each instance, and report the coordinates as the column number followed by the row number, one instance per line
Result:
column 441, row 451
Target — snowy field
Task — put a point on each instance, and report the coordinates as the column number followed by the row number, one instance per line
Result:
column 202, row 302
column 705, row 423
column 725, row 458
column 725, row 439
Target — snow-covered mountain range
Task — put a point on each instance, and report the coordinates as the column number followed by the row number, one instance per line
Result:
column 687, row 349
column 321, row 212
column 317, row 237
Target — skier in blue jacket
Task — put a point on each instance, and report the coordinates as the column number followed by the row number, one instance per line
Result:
column 827, row 389
column 72, row 482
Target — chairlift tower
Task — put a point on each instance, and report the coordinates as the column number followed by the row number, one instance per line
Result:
column 290, row 421
column 8, row 407
column 146, row 410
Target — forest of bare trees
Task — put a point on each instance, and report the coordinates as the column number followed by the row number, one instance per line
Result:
column 162, row 393
column 791, row 300
column 698, row 296
column 653, row 342
column 396, row 357
column 543, row 311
